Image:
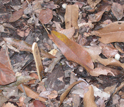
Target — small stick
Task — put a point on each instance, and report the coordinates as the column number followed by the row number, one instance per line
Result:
column 37, row 59
column 45, row 28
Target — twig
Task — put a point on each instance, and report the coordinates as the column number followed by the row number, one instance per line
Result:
column 45, row 28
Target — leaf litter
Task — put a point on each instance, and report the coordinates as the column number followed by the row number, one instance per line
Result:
column 85, row 43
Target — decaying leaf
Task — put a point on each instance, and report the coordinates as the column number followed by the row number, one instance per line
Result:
column 117, row 10
column 63, row 96
column 108, row 50
column 6, row 75
column 23, row 46
column 20, row 80
column 23, row 33
column 31, row 93
column 72, row 50
column 4, row 57
column 94, row 53
column 45, row 16
column 18, row 14
column 97, row 17
column 53, row 82
column 93, row 3
column 71, row 16
column 111, row 33
column 89, row 98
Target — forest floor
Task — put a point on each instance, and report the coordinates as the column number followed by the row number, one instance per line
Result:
column 61, row 53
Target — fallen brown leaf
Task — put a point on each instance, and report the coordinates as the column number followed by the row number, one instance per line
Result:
column 89, row 98
column 6, row 75
column 45, row 16
column 63, row 96
column 37, row 103
column 4, row 57
column 117, row 10
column 23, row 33
column 102, row 71
column 93, row 3
column 111, row 33
column 72, row 50
column 31, row 93
column 97, row 17
column 68, row 32
column 108, row 50
column 18, row 14
column 94, row 53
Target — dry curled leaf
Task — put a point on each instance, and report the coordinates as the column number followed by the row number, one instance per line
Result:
column 24, row 46
column 72, row 51
column 31, row 93
column 97, row 17
column 102, row 71
column 63, row 96
column 89, row 98
column 108, row 50
column 111, row 33
column 93, row 3
column 45, row 16
column 117, row 10
column 95, row 52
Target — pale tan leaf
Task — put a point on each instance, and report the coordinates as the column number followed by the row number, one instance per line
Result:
column 37, row 59
column 89, row 98
column 71, row 16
